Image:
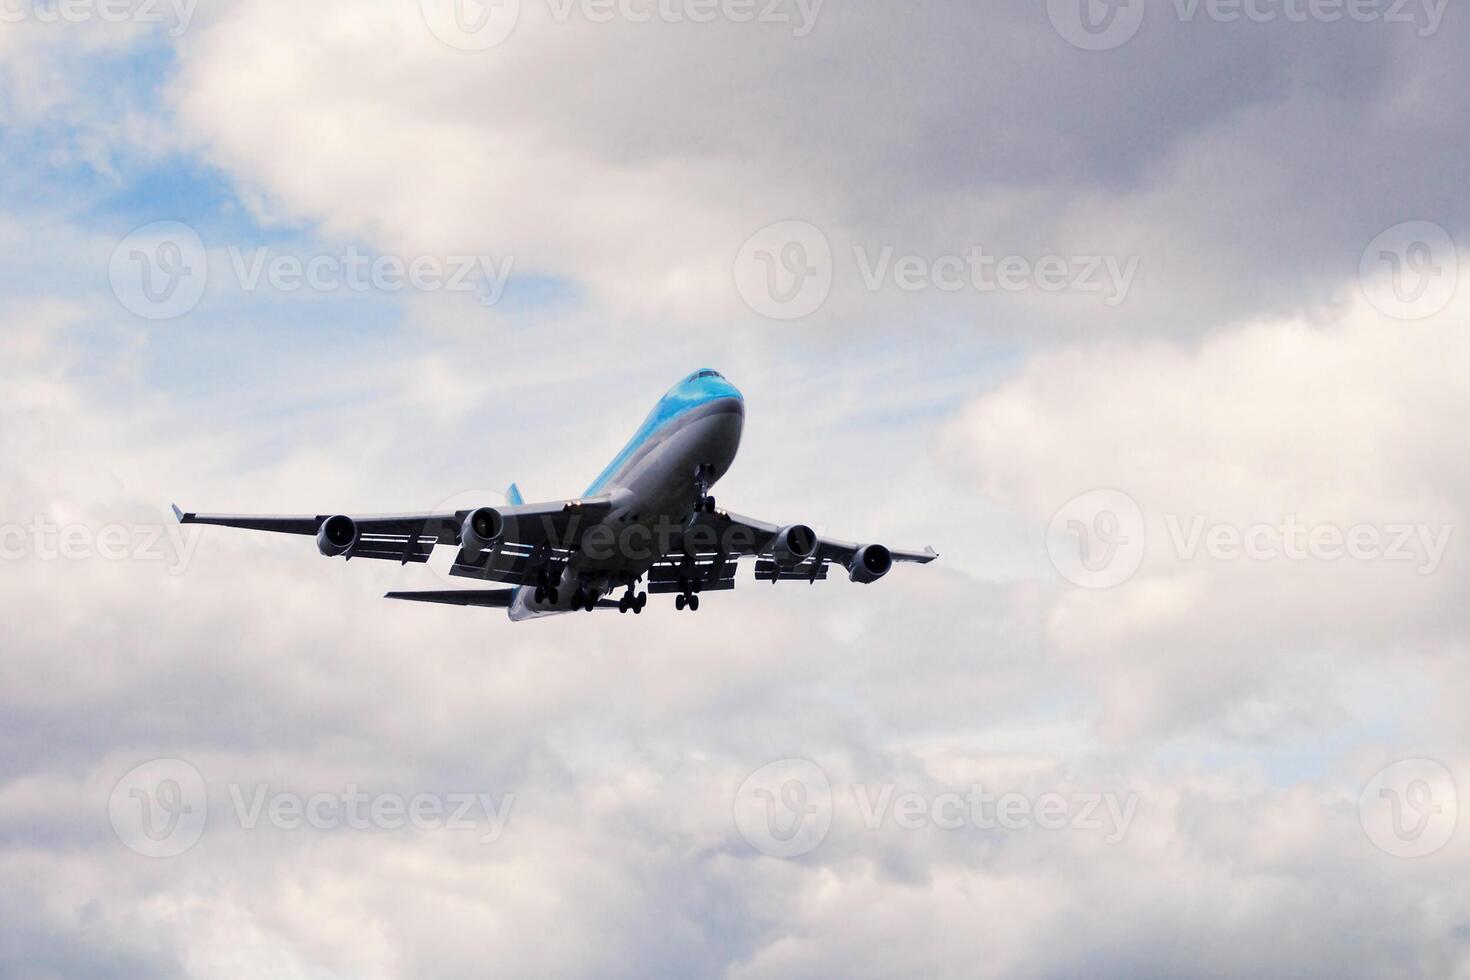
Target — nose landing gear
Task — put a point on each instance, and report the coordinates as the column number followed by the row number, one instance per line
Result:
column 704, row 475
column 545, row 590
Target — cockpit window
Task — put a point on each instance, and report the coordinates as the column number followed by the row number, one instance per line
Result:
column 710, row 374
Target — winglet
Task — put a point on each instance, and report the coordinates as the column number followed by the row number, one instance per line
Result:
column 513, row 496
column 179, row 514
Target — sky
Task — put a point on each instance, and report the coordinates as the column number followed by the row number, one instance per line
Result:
column 1146, row 314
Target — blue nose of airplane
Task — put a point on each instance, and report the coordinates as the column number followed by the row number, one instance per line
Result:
column 708, row 385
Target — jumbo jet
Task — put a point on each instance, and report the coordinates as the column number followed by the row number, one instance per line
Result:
column 649, row 516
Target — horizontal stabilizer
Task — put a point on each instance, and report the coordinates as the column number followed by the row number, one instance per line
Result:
column 487, row 598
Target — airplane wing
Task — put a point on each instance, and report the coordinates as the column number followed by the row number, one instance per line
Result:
column 807, row 558
column 529, row 532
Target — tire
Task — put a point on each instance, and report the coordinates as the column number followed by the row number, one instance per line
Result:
column 679, row 603
column 694, row 603
column 540, row 594
column 554, row 596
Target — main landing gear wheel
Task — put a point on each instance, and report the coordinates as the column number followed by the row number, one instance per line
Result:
column 694, row 603
column 540, row 594
column 679, row 602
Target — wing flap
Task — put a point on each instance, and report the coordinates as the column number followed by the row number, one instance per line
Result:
column 712, row 572
column 768, row 570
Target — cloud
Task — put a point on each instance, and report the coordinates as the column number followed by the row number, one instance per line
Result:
column 1277, row 432
column 635, row 158
column 1244, row 703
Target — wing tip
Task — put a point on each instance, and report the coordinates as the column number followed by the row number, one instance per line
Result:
column 182, row 517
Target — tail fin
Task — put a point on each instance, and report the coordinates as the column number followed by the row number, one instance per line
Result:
column 513, row 496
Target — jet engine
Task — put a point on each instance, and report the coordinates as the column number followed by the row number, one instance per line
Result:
column 794, row 545
column 870, row 563
column 482, row 530
column 337, row 536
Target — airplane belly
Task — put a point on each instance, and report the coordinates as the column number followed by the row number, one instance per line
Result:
column 665, row 477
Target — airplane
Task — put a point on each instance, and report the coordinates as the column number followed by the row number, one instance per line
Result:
column 649, row 515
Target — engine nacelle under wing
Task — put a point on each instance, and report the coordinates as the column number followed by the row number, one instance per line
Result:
column 870, row 563
column 482, row 530
column 337, row 536
column 794, row 545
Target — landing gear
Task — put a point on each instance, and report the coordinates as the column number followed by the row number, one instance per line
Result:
column 703, row 476
column 545, row 590
column 686, row 601
column 632, row 603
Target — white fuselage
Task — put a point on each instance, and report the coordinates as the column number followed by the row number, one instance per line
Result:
column 655, row 485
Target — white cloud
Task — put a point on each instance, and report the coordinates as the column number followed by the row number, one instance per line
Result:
column 1330, row 425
